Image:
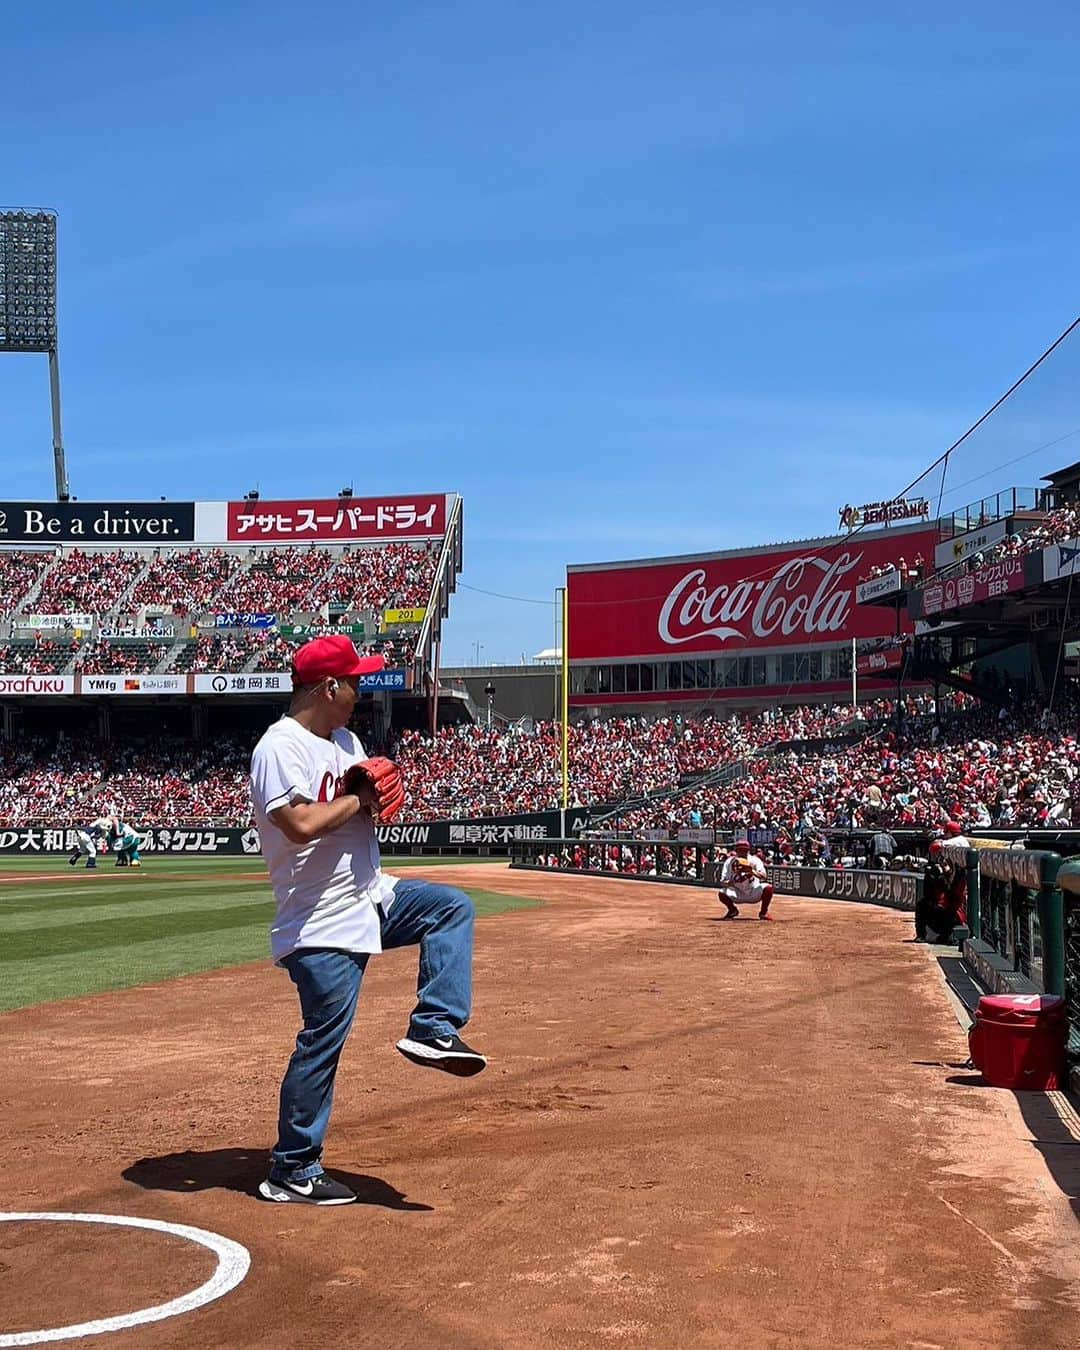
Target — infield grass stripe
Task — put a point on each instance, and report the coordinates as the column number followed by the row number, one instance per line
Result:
column 179, row 864
column 130, row 907
column 48, row 978
column 52, row 971
column 79, row 900
column 91, row 937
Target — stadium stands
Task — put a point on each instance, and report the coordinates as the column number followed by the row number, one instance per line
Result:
column 19, row 572
column 89, row 583
column 816, row 768
column 42, row 657
column 186, row 580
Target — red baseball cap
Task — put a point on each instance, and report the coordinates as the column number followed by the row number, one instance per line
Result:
column 742, row 843
column 324, row 657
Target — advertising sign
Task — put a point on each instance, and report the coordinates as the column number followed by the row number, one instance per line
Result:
column 770, row 598
column 895, row 890
column 334, row 521
column 28, row 685
column 385, row 679
column 133, row 684
column 884, row 513
column 313, row 630
column 346, row 520
column 889, row 584
column 404, row 616
column 130, row 630
column 691, row 835
column 244, row 620
column 963, row 546
column 975, row 588
column 885, row 659
column 486, row 832
column 97, row 522
column 52, row 621
column 263, row 682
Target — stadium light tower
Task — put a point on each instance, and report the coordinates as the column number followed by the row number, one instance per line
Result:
column 28, row 306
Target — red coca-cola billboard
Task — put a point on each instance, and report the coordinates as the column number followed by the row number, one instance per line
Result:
column 790, row 596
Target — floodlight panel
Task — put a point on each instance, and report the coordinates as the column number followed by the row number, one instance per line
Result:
column 27, row 281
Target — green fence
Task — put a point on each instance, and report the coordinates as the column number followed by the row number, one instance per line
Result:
column 1015, row 907
column 1069, row 882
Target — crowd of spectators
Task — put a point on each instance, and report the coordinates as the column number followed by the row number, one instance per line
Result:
column 103, row 657
column 214, row 652
column 466, row 770
column 195, row 580
column 910, row 573
column 982, row 767
column 393, row 575
column 801, row 771
column 19, row 571
column 40, row 656
column 280, row 580
column 42, row 780
column 186, row 581
column 161, row 781
column 88, row 583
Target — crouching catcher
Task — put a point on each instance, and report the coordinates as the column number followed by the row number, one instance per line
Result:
column 744, row 879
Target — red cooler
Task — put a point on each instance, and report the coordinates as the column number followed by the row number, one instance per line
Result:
column 1018, row 1041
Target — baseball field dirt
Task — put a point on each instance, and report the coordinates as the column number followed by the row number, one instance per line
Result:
column 691, row 1133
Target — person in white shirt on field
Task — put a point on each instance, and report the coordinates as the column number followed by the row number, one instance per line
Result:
column 315, row 797
column 743, row 878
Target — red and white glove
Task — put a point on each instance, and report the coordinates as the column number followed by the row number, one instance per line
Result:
column 385, row 777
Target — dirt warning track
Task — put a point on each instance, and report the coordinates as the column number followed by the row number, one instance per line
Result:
column 690, row 1134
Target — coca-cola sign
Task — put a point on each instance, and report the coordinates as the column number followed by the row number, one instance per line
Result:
column 773, row 598
column 805, row 594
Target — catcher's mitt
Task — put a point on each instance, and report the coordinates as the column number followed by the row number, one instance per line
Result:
column 385, row 776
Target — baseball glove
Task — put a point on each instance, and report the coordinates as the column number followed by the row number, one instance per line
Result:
column 385, row 776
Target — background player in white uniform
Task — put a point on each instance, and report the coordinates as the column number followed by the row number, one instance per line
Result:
column 87, row 842
column 313, row 801
column 745, row 879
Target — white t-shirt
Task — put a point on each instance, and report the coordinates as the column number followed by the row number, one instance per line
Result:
column 326, row 890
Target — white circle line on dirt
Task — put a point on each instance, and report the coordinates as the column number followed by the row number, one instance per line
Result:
column 232, row 1266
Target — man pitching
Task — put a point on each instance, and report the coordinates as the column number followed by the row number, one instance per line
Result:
column 744, row 878
column 315, row 795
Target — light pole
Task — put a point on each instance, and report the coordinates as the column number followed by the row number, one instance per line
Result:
column 28, row 307
column 489, row 690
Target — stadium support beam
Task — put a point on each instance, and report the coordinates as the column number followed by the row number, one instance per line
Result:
column 28, row 307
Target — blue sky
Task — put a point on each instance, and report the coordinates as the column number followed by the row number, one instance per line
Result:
column 633, row 279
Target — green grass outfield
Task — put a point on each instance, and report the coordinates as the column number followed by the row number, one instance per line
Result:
column 114, row 928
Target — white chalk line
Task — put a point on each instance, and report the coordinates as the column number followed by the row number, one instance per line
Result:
column 233, row 1263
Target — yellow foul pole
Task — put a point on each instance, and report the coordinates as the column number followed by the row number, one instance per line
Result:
column 565, row 702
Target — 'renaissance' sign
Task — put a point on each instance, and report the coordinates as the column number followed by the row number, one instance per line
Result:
column 783, row 597
column 884, row 513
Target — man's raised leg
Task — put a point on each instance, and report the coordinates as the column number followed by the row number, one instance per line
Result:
column 440, row 920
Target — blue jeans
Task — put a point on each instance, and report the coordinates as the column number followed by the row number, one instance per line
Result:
column 437, row 917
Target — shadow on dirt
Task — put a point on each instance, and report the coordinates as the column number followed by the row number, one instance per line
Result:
column 241, row 1169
